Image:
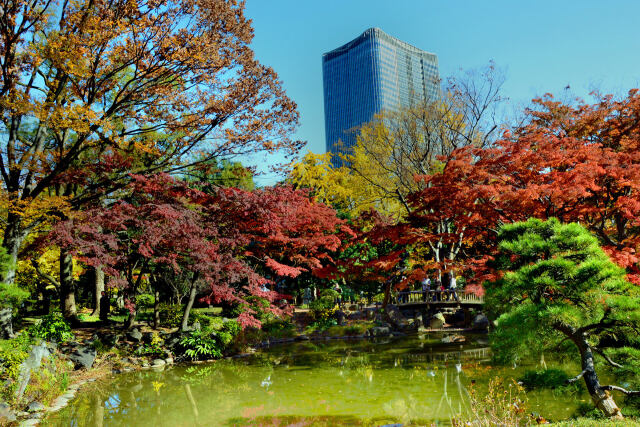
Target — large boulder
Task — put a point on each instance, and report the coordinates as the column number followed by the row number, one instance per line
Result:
column 379, row 331
column 32, row 363
column 480, row 322
column 83, row 357
column 134, row 335
column 395, row 316
column 437, row 321
column 7, row 416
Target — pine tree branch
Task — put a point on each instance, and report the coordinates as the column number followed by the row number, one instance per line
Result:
column 577, row 377
column 607, row 358
column 622, row 390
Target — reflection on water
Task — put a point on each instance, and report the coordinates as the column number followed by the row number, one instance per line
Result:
column 413, row 380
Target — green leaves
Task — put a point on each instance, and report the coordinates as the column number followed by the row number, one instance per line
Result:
column 554, row 273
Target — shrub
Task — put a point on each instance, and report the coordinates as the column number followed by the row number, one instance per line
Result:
column 52, row 327
column 260, row 306
column 202, row 344
column 229, row 331
column 546, row 378
column 170, row 315
column 205, row 320
column 145, row 300
column 12, row 354
column 324, row 307
column 12, row 296
column 279, row 328
column 154, row 347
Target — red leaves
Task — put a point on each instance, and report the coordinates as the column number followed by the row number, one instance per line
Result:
column 221, row 238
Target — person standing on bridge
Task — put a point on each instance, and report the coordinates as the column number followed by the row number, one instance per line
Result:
column 452, row 286
column 426, row 288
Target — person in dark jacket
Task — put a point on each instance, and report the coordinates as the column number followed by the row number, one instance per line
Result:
column 105, row 306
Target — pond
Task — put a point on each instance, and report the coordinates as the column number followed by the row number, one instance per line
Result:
column 411, row 380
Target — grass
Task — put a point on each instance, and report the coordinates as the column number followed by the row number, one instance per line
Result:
column 590, row 422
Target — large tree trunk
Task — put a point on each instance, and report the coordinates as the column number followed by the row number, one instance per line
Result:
column 67, row 286
column 12, row 241
column 602, row 399
column 156, row 308
column 97, row 290
column 187, row 309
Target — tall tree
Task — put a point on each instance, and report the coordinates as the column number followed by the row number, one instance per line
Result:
column 557, row 284
column 92, row 91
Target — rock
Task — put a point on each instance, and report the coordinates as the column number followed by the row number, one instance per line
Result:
column 31, row 422
column 58, row 404
column 83, row 357
column 6, row 414
column 157, row 363
column 134, row 335
column 111, row 340
column 32, row 363
column 35, row 407
column 196, row 326
column 6, row 326
column 379, row 331
column 169, row 360
column 480, row 322
column 437, row 321
column 356, row 315
column 340, row 316
column 395, row 316
column 449, row 339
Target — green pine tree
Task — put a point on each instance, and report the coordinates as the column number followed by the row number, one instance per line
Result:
column 559, row 286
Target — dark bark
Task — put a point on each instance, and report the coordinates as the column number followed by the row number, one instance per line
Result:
column 97, row 290
column 156, row 309
column 67, row 286
column 602, row 399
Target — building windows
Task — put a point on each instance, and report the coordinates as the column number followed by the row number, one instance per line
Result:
column 371, row 73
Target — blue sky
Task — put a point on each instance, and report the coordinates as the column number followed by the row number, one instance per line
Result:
column 542, row 46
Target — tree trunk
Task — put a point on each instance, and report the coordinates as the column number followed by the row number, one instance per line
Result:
column 67, row 286
column 602, row 399
column 128, row 324
column 97, row 290
column 156, row 309
column 12, row 241
column 187, row 309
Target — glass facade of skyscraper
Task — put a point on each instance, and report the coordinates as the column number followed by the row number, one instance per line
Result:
column 372, row 73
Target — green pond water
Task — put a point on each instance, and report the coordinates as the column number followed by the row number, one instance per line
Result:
column 411, row 380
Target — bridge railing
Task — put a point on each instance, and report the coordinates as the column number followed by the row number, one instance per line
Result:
column 433, row 296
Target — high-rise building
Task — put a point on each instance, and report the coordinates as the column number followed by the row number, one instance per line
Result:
column 372, row 73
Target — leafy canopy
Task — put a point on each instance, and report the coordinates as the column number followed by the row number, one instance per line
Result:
column 556, row 275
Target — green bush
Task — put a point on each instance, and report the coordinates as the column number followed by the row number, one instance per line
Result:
column 204, row 319
column 231, row 310
column 230, row 329
column 145, row 301
column 12, row 296
column 547, row 378
column 154, row 347
column 324, row 307
column 260, row 306
column 279, row 328
column 202, row 344
column 52, row 327
column 170, row 315
column 12, row 353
